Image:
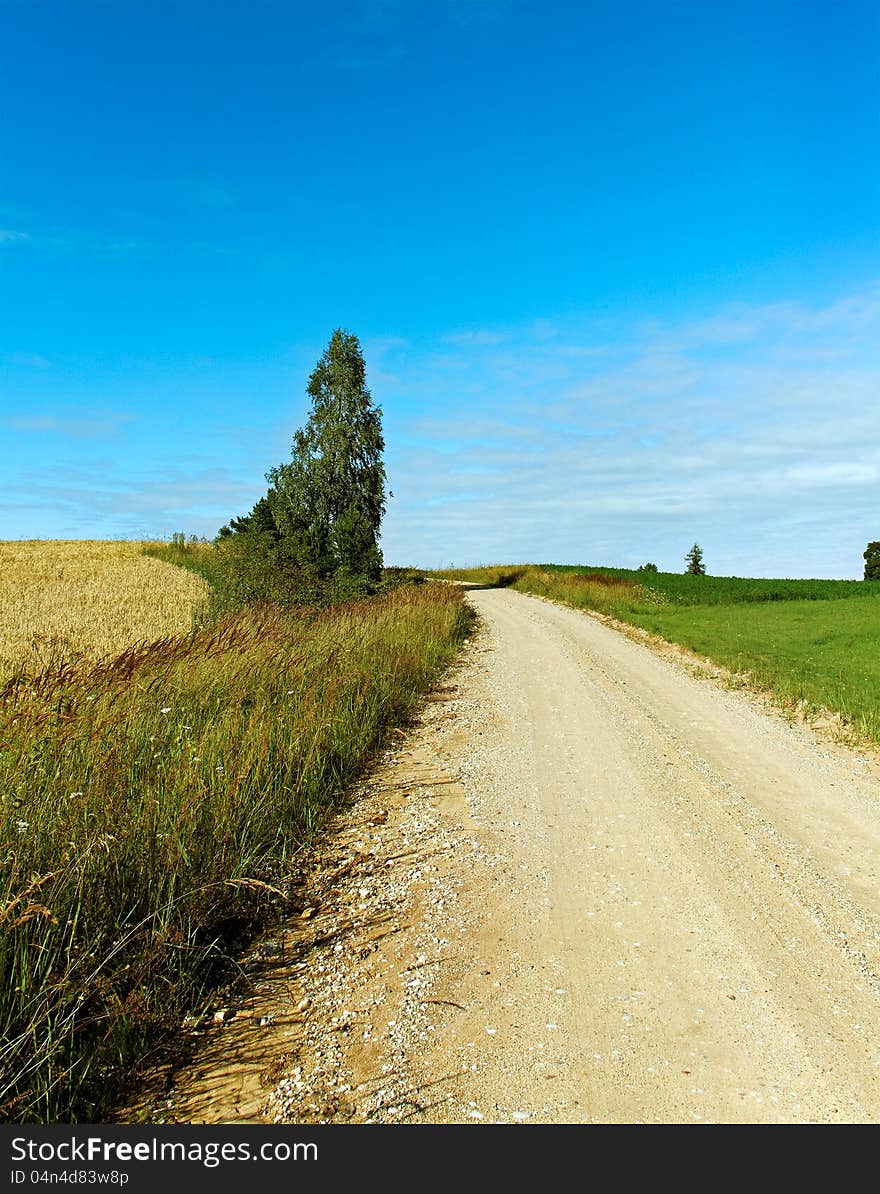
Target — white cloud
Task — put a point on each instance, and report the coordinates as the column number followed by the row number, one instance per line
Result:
column 26, row 360
column 732, row 429
column 107, row 500
column 477, row 338
column 199, row 193
column 99, row 426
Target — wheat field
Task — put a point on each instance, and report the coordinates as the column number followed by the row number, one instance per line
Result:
column 85, row 599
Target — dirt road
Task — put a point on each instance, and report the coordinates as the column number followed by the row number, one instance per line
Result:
column 627, row 894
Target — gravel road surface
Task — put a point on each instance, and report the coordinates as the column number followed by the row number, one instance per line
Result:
column 695, row 929
column 591, row 885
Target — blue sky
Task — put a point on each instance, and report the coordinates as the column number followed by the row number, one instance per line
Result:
column 615, row 268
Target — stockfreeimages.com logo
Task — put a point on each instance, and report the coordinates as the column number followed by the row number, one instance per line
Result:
column 210, row 1153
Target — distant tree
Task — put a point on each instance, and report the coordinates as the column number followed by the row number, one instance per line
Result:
column 694, row 558
column 647, row 568
column 872, row 561
column 327, row 502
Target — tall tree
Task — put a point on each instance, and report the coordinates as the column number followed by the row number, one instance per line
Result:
column 694, row 558
column 328, row 501
column 872, row 561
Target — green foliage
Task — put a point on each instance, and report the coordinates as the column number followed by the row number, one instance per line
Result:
column 180, row 541
column 647, row 568
column 328, row 501
column 260, row 520
column 694, row 559
column 248, row 566
column 315, row 535
column 393, row 578
column 872, row 561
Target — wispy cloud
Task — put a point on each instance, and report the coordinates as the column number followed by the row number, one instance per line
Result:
column 108, row 500
column 64, row 239
column 98, row 427
column 200, row 193
column 574, row 440
column 25, row 360
column 477, row 338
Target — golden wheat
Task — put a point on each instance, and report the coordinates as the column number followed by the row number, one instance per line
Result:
column 87, row 598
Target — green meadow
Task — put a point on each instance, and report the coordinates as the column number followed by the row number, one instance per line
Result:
column 826, row 653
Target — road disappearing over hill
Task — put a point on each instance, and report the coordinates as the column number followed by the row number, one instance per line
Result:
column 592, row 884
column 692, row 927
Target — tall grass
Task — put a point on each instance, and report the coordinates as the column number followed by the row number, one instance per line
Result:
column 589, row 590
column 599, row 589
column 155, row 803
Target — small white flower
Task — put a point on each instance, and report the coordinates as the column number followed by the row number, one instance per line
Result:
column 22, row 826
column 167, row 709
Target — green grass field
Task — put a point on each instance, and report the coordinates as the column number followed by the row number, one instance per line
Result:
column 826, row 653
column 811, row 641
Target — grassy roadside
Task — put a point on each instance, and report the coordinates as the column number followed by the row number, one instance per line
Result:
column 154, row 807
column 813, row 643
